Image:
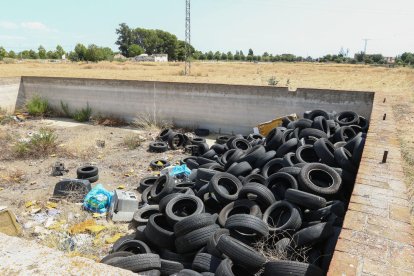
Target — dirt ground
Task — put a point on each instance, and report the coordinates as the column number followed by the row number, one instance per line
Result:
column 26, row 184
column 31, row 180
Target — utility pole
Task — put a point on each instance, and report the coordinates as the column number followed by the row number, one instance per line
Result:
column 365, row 46
column 187, row 38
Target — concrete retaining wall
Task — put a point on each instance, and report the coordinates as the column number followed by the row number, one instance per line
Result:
column 9, row 89
column 218, row 107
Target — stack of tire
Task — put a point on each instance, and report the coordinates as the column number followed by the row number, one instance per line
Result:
column 88, row 172
column 288, row 191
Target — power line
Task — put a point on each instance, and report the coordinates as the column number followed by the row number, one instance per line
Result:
column 365, row 45
column 187, row 38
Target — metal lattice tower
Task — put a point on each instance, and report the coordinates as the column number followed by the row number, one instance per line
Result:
column 187, row 38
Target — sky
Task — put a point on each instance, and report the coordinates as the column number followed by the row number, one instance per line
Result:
column 301, row 27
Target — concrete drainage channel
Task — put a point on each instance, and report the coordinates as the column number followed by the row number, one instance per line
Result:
column 251, row 205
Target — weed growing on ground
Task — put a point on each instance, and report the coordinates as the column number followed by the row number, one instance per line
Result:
column 37, row 106
column 65, row 109
column 272, row 81
column 132, row 141
column 149, row 122
column 15, row 176
column 40, row 144
column 83, row 115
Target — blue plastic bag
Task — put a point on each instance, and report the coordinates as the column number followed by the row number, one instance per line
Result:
column 97, row 200
column 180, row 170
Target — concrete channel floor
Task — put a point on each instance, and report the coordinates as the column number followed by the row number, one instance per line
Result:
column 23, row 257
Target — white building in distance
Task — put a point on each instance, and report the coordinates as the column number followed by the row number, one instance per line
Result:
column 151, row 58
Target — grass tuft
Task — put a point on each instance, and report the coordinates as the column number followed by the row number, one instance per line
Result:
column 133, row 141
column 83, row 115
column 38, row 106
column 40, row 144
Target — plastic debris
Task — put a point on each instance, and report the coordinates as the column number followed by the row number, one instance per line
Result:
column 97, row 200
column 81, row 227
column 95, row 229
column 114, row 238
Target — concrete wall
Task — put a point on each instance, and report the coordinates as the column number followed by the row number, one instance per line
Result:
column 9, row 89
column 218, row 107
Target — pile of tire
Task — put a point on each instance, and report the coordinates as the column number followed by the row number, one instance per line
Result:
column 289, row 189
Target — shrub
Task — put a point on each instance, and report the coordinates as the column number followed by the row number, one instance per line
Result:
column 132, row 141
column 272, row 81
column 65, row 109
column 40, row 144
column 83, row 115
column 37, row 106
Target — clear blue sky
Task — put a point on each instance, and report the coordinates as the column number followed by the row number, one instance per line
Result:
column 301, row 27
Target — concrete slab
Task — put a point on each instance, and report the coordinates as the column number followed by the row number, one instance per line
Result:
column 23, row 257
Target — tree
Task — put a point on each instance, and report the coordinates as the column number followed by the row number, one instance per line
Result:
column 42, row 52
column 217, row 55
column 33, row 55
column 135, row 50
column 52, row 55
column 125, row 38
column 237, row 55
column 407, row 58
column 181, row 50
column 210, row 55
column 94, row 53
column 11, row 54
column 80, row 51
column 242, row 56
column 223, row 56
column 249, row 58
column 230, row 56
column 3, row 53
column 250, row 52
column 202, row 57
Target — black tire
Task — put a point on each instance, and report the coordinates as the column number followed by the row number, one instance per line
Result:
column 176, row 140
column 274, row 139
column 209, row 154
column 192, row 223
column 344, row 159
column 264, row 159
column 332, row 207
column 92, row 179
column 290, row 159
column 164, row 134
column 146, row 196
column 203, row 148
column 319, row 179
column 325, row 151
column 304, row 199
column 240, row 253
column 329, row 248
column 344, row 133
column 347, row 118
column 283, row 268
column 198, row 140
column 321, row 123
column 182, row 206
column 293, row 171
column 204, row 262
column 279, row 182
column 222, row 139
column 253, row 154
column 363, row 123
column 134, row 246
column 142, row 215
column 243, row 206
column 310, row 140
column 116, row 255
column 272, row 167
column 185, row 259
column 212, row 242
column 255, row 136
column 87, row 171
column 354, row 142
column 231, row 157
column 282, row 216
column 288, row 146
column 170, row 267
column 317, row 112
column 306, row 154
column 201, row 132
column 227, row 182
column 163, row 186
column 255, row 178
column 158, row 147
column 159, row 232
column 258, row 193
column 228, row 268
column 188, row 272
column 195, row 239
column 120, row 241
column 240, row 169
column 312, row 234
column 159, row 164
column 357, row 153
column 312, row 132
column 146, row 182
column 240, row 143
column 137, row 263
column 219, row 149
column 247, row 224
column 192, row 164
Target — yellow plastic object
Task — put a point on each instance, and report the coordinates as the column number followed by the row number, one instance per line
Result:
column 81, row 227
column 8, row 223
column 266, row 127
column 114, row 238
column 95, row 228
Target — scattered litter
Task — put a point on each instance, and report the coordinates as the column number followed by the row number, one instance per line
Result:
column 49, row 222
column 97, row 215
column 58, row 169
column 123, row 206
column 121, row 187
column 29, row 204
column 81, row 227
column 82, row 240
column 114, row 238
column 51, row 205
column 9, row 224
column 95, row 229
column 97, row 200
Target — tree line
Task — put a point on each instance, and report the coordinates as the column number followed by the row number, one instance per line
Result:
column 136, row 41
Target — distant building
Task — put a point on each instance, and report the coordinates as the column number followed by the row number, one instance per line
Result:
column 151, row 58
column 389, row 59
column 119, row 56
